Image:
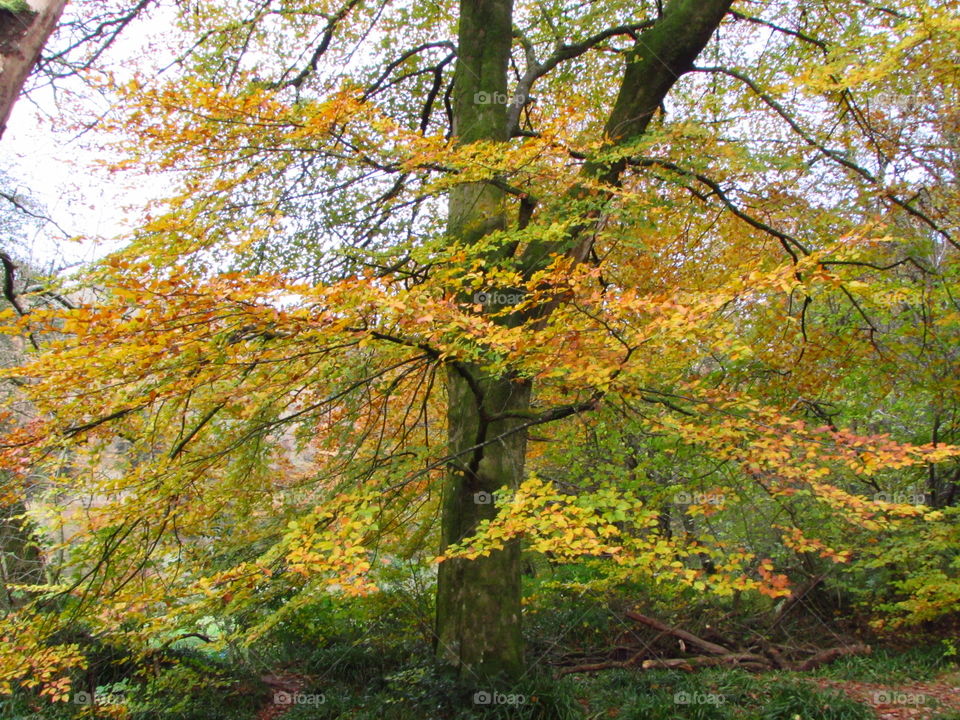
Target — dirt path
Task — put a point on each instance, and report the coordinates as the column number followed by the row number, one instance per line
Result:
column 905, row 700
column 282, row 687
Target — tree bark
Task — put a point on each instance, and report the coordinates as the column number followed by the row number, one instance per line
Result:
column 20, row 559
column 22, row 36
column 478, row 601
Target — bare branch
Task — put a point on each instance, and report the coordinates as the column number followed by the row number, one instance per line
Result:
column 834, row 155
column 536, row 70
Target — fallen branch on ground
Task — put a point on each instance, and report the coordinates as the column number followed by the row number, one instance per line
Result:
column 769, row 657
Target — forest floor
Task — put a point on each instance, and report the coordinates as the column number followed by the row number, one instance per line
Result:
column 900, row 698
column 911, row 700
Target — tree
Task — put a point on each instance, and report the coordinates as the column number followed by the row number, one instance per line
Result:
column 690, row 253
column 24, row 29
column 482, row 406
column 20, row 561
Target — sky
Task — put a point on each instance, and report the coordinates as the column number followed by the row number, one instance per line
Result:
column 52, row 168
column 56, row 166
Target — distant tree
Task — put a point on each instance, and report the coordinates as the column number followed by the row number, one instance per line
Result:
column 20, row 559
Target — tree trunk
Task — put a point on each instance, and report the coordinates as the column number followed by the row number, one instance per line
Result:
column 20, row 560
column 23, row 33
column 478, row 601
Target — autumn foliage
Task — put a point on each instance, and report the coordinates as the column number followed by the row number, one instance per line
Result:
column 246, row 407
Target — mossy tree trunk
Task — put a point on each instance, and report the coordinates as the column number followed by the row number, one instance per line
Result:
column 20, row 559
column 478, row 602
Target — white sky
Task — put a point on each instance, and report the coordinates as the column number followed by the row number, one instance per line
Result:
column 56, row 167
column 52, row 168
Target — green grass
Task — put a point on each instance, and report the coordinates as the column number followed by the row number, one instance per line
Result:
column 884, row 666
column 417, row 691
column 370, row 662
column 714, row 695
column 798, row 699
